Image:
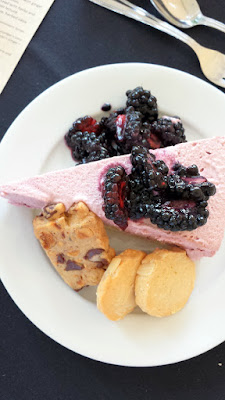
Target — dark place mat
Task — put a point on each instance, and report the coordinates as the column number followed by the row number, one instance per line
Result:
column 76, row 35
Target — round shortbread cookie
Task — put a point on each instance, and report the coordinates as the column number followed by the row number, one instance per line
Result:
column 115, row 293
column 164, row 282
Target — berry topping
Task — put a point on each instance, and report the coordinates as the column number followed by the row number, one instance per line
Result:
column 169, row 131
column 88, row 147
column 88, row 141
column 134, row 125
column 143, row 101
column 153, row 173
column 114, row 194
column 131, row 133
column 178, row 215
column 127, row 130
column 173, row 200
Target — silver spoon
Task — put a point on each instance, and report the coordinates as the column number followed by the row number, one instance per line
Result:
column 212, row 62
column 185, row 14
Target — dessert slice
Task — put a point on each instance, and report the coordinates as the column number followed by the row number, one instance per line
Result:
column 75, row 242
column 92, row 184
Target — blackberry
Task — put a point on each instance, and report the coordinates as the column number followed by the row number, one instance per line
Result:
column 179, row 215
column 169, row 131
column 114, row 194
column 144, row 102
column 85, row 124
column 186, row 200
column 88, row 141
column 153, row 173
column 196, row 185
column 174, row 201
column 134, row 125
column 87, row 147
column 126, row 130
column 146, row 182
column 137, row 196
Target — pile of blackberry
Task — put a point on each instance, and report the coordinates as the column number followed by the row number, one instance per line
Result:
column 137, row 124
column 174, row 201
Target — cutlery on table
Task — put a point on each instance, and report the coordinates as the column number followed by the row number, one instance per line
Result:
column 185, row 14
column 212, row 62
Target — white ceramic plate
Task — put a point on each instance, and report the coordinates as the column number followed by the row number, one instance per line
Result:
column 33, row 145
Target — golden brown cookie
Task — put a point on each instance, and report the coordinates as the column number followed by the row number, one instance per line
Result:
column 75, row 242
column 164, row 282
column 115, row 293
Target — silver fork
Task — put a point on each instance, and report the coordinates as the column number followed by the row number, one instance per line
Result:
column 212, row 62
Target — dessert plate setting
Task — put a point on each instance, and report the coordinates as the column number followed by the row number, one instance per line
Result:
column 72, row 319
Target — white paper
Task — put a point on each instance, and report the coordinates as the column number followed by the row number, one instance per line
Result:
column 19, row 20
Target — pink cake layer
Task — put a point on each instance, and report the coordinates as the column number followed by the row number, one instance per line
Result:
column 82, row 183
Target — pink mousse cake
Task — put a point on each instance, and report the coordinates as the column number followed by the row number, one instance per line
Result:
column 83, row 183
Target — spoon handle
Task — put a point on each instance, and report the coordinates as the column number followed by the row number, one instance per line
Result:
column 130, row 10
column 213, row 23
